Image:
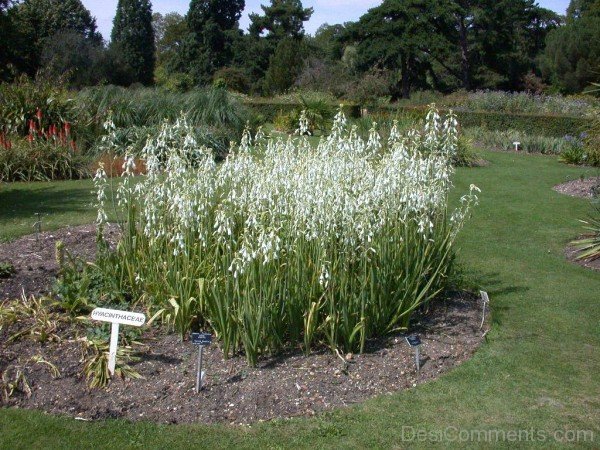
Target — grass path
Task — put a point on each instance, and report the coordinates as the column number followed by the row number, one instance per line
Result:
column 540, row 368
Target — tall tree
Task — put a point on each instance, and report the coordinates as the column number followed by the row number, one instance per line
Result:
column 283, row 18
column 38, row 21
column 213, row 28
column 391, row 36
column 280, row 20
column 133, row 38
column 571, row 60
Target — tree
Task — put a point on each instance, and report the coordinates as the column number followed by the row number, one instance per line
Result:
column 213, row 29
column 133, row 38
column 38, row 21
column 81, row 60
column 391, row 36
column 447, row 44
column 283, row 18
column 285, row 65
column 571, row 60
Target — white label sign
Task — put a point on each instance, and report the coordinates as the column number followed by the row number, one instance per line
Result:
column 117, row 318
column 121, row 317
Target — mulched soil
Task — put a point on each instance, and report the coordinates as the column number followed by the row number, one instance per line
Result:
column 571, row 254
column 578, row 188
column 34, row 258
column 284, row 386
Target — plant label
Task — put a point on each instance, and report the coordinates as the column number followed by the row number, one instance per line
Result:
column 413, row 340
column 116, row 318
column 203, row 339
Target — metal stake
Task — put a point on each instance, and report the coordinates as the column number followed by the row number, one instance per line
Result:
column 417, row 358
column 199, row 372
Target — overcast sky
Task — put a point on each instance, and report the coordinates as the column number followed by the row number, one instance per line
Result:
column 326, row 11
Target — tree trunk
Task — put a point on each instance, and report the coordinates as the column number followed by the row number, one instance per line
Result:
column 405, row 77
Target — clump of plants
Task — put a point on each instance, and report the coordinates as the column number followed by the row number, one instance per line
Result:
column 589, row 245
column 46, row 153
column 6, row 270
column 287, row 243
column 529, row 143
column 574, row 150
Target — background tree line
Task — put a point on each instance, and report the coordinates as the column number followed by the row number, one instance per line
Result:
column 394, row 49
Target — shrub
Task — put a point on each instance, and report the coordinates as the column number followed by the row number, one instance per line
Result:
column 504, row 140
column 540, row 125
column 20, row 101
column 295, row 243
column 233, row 79
column 573, row 151
column 522, row 102
column 46, row 154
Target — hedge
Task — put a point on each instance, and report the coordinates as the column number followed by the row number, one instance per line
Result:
column 269, row 109
column 543, row 125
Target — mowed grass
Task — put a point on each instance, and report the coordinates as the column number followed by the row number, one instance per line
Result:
column 538, row 370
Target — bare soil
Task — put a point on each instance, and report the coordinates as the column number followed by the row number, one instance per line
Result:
column 34, row 258
column 579, row 188
column 286, row 385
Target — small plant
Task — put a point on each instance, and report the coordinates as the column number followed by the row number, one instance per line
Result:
column 34, row 317
column 574, row 151
column 95, row 362
column 589, row 246
column 6, row 270
column 181, row 314
column 81, row 286
column 13, row 380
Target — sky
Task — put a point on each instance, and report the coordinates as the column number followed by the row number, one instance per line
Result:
column 326, row 11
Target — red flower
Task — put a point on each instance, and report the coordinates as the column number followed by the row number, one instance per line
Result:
column 30, row 137
column 39, row 114
column 67, row 128
column 73, row 146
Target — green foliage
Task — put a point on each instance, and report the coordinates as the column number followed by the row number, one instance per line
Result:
column 465, row 155
column 133, row 37
column 445, row 45
column 233, row 79
column 570, row 60
column 284, row 66
column 181, row 314
column 6, row 270
column 544, row 125
column 77, row 59
column 20, row 102
column 505, row 139
column 317, row 111
column 82, row 286
column 522, row 102
column 281, row 19
column 39, row 21
column 40, row 160
column 213, row 30
column 573, row 151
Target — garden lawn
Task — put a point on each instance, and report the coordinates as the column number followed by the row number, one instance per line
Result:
column 540, row 367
